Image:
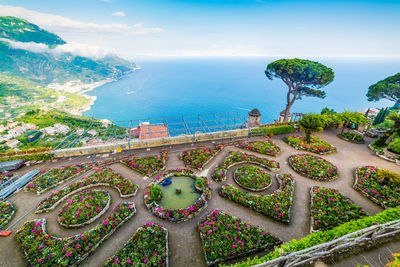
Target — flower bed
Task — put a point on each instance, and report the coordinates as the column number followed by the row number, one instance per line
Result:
column 367, row 183
column 7, row 211
column 330, row 208
column 84, row 208
column 147, row 166
column 266, row 147
column 252, row 178
column 147, row 247
column 198, row 158
column 51, row 178
column 106, row 177
column 42, row 249
column 313, row 167
column 352, row 137
column 177, row 215
column 317, row 145
column 276, row 205
column 5, row 177
column 226, row 237
column 235, row 158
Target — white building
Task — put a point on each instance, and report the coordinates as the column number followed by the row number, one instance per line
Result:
column 12, row 143
column 16, row 131
column 80, row 131
column 49, row 130
column 61, row 128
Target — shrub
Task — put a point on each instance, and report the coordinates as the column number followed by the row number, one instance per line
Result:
column 156, row 193
column 395, row 146
column 200, row 183
column 274, row 130
column 7, row 211
column 352, row 137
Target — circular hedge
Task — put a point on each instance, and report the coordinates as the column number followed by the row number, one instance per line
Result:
column 313, row 167
column 84, row 208
column 252, row 178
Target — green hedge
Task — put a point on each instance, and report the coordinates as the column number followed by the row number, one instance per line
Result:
column 325, row 236
column 281, row 129
column 40, row 156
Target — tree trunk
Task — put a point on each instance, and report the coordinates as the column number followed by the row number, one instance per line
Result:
column 308, row 136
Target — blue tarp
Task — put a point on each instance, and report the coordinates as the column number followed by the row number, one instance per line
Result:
column 21, row 182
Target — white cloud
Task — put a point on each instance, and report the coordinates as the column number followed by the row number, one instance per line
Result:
column 76, row 49
column 59, row 23
column 119, row 14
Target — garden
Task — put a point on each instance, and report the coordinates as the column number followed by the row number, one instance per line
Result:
column 7, row 211
column 276, row 205
column 226, row 237
column 330, row 208
column 316, row 145
column 198, row 158
column 252, row 178
column 42, row 249
column 380, row 185
column 313, row 167
column 84, row 208
column 235, row 158
column 147, row 247
column 147, row 166
column 352, row 137
column 50, row 178
column 105, row 176
column 266, row 147
column 198, row 193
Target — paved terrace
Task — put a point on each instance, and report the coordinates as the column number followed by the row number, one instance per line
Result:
column 184, row 240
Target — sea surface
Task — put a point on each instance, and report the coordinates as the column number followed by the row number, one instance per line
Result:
column 191, row 86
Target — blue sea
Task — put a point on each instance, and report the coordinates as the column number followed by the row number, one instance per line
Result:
column 191, row 86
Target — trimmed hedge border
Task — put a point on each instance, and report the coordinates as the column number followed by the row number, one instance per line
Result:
column 84, row 256
column 349, row 140
column 166, row 243
column 266, row 213
column 92, row 219
column 157, row 210
column 248, row 188
column 312, row 177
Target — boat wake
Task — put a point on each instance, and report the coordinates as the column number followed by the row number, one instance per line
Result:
column 140, row 88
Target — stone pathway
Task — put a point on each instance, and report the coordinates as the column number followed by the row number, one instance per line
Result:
column 184, row 240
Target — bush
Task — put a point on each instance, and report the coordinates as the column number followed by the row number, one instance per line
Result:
column 40, row 156
column 352, row 137
column 156, row 193
column 395, row 146
column 274, row 130
column 200, row 183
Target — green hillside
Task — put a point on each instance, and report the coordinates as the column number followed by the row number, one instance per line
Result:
column 20, row 30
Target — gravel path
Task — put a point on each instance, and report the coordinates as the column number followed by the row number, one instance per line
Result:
column 184, row 240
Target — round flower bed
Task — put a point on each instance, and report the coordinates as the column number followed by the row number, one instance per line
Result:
column 147, row 247
column 372, row 183
column 316, row 145
column 352, row 138
column 266, row 147
column 7, row 211
column 84, row 208
column 235, row 158
column 105, row 177
column 252, row 178
column 330, row 208
column 313, row 167
column 152, row 199
column 226, row 237
column 198, row 158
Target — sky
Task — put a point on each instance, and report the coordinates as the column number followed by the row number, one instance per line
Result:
column 152, row 28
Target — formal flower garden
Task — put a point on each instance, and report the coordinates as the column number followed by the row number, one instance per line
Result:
column 316, row 145
column 42, row 249
column 313, row 167
column 7, row 211
column 105, row 176
column 266, row 147
column 49, row 178
column 147, row 166
column 381, row 186
column 152, row 199
column 226, row 237
column 329, row 208
column 147, row 247
column 276, row 205
column 234, row 158
column 84, row 208
column 198, row 158
column 252, row 178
